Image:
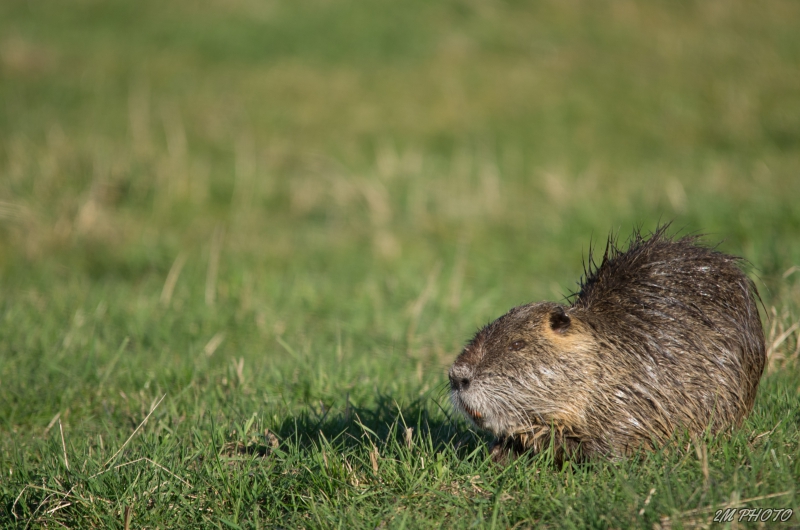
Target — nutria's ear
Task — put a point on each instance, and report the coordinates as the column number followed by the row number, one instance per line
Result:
column 559, row 320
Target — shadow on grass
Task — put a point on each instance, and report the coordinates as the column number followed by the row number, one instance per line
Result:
column 425, row 422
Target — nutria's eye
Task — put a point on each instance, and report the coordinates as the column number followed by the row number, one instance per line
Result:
column 517, row 345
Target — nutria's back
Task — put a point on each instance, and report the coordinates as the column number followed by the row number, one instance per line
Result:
column 662, row 337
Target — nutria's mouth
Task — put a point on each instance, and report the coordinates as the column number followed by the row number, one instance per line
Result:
column 474, row 414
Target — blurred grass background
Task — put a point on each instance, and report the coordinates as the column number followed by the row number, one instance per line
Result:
column 268, row 207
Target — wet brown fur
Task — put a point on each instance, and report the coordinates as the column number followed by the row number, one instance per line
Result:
column 662, row 337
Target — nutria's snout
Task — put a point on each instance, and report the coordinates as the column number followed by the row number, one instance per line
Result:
column 663, row 337
column 460, row 377
column 462, row 391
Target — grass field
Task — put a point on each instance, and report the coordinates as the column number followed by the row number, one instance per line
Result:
column 241, row 241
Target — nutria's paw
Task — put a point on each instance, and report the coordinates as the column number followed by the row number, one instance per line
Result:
column 506, row 449
column 501, row 452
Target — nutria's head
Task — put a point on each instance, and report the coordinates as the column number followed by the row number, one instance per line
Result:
column 527, row 370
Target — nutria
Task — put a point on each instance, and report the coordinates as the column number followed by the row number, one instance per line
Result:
column 661, row 338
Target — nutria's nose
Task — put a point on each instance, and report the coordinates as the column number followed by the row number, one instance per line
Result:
column 460, row 376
